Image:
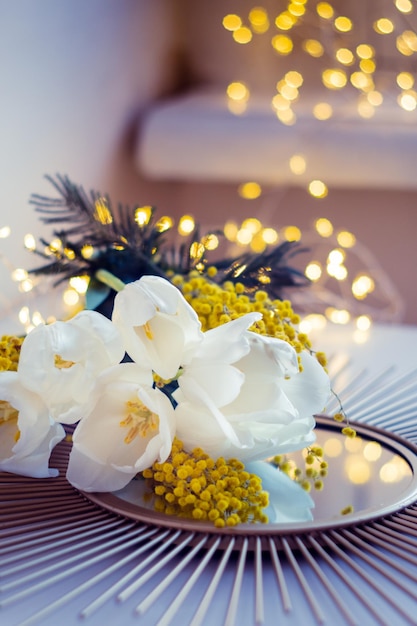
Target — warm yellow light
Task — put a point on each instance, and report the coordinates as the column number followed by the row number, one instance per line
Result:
column 250, row 190
column 334, row 78
column 70, row 254
column 402, row 47
column 29, row 242
column 368, row 66
column 345, row 56
column 394, row 470
column 336, row 256
column 358, row 470
column 280, row 103
column 270, row 235
column 37, row 318
column 252, row 224
column 313, row 321
column 102, row 212
column 230, row 230
column 26, row 285
column 259, row 20
column 325, row 10
column 292, row 233
column 296, row 9
column 405, row 80
column 237, row 91
column 363, row 322
column 210, row 242
column 142, row 215
column 285, row 21
column 337, row 316
column 365, row 51
column 24, row 315
column 346, row 239
column 362, row 286
column 5, row 232
column 322, row 111
column 19, row 274
column 237, row 107
column 383, row 26
column 244, row 236
column 257, row 244
column 343, row 24
column 55, row 245
column 186, row 225
column 332, row 447
column 324, row 227
column 87, row 251
column 360, row 80
column 71, row 297
column 337, row 271
column 297, row 164
column 164, row 223
column 365, row 109
column 405, row 6
column 408, row 100
column 375, row 98
column 242, row 35
column 353, row 445
column 390, row 472
column 287, row 117
column 197, row 250
column 410, row 38
column 407, row 43
column 79, row 283
column 313, row 271
column 318, row 189
column 232, row 22
column 288, row 92
column 282, row 44
column 313, row 47
column 293, row 79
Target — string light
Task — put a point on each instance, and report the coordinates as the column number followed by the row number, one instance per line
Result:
column 361, row 64
column 143, row 215
column 5, row 232
column 186, row 225
column 318, row 189
column 250, row 190
column 298, row 164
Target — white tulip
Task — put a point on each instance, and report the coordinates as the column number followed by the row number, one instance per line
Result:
column 255, row 406
column 27, row 433
column 160, row 329
column 61, row 361
column 128, row 427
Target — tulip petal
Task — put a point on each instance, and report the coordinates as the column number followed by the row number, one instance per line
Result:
column 310, row 389
column 288, row 501
column 129, row 425
column 26, row 440
column 160, row 329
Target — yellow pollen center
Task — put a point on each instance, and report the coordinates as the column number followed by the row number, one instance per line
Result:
column 9, row 413
column 148, row 331
column 139, row 419
column 62, row 364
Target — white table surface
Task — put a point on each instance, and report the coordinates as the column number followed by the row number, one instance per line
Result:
column 71, row 585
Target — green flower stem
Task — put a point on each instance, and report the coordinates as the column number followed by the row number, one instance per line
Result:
column 109, row 279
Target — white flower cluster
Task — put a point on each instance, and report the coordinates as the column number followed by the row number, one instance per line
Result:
column 240, row 394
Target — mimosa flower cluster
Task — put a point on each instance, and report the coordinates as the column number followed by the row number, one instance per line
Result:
column 193, row 485
column 230, row 390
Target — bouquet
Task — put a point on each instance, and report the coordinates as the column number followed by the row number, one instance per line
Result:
column 196, row 384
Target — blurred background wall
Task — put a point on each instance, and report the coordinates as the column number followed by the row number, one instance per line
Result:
column 129, row 98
